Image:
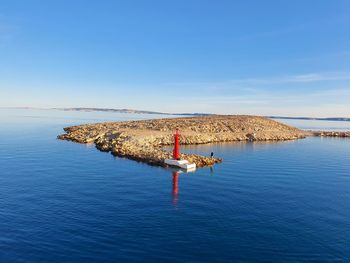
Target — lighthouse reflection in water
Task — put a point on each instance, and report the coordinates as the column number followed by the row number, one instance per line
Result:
column 175, row 184
column 175, row 189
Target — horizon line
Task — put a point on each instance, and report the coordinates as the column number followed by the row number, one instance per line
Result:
column 170, row 113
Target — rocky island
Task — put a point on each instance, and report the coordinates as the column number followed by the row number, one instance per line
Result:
column 145, row 140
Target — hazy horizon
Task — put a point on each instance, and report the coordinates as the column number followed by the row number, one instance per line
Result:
column 243, row 57
column 97, row 109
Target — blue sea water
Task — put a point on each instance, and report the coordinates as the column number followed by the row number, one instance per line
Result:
column 267, row 202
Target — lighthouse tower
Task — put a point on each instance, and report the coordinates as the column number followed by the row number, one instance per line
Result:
column 176, row 151
column 176, row 161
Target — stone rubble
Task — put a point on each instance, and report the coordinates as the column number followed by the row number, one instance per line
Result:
column 331, row 134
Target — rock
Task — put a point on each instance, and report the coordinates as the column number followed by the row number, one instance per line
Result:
column 144, row 140
column 331, row 134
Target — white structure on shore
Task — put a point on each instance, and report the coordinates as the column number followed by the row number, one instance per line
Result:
column 183, row 164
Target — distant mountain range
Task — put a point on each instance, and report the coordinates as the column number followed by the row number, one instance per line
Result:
column 131, row 111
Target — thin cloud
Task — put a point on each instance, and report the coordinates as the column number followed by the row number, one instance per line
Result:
column 303, row 78
column 340, row 95
column 316, row 103
column 232, row 99
column 250, row 84
column 321, row 77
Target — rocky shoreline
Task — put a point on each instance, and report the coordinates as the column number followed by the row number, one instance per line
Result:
column 145, row 140
column 331, row 134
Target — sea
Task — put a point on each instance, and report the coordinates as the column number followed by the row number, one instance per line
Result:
column 266, row 202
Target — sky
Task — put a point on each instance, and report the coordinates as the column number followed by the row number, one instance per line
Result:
column 289, row 58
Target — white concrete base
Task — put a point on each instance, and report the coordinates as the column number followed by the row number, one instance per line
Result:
column 183, row 164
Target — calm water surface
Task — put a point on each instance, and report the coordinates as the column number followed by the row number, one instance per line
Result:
column 267, row 202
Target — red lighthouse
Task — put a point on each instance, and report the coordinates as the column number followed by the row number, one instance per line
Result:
column 176, row 151
column 176, row 161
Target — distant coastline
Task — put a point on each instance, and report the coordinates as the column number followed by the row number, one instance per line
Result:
column 310, row 118
column 132, row 111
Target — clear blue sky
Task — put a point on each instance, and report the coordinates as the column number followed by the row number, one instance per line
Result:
column 252, row 57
